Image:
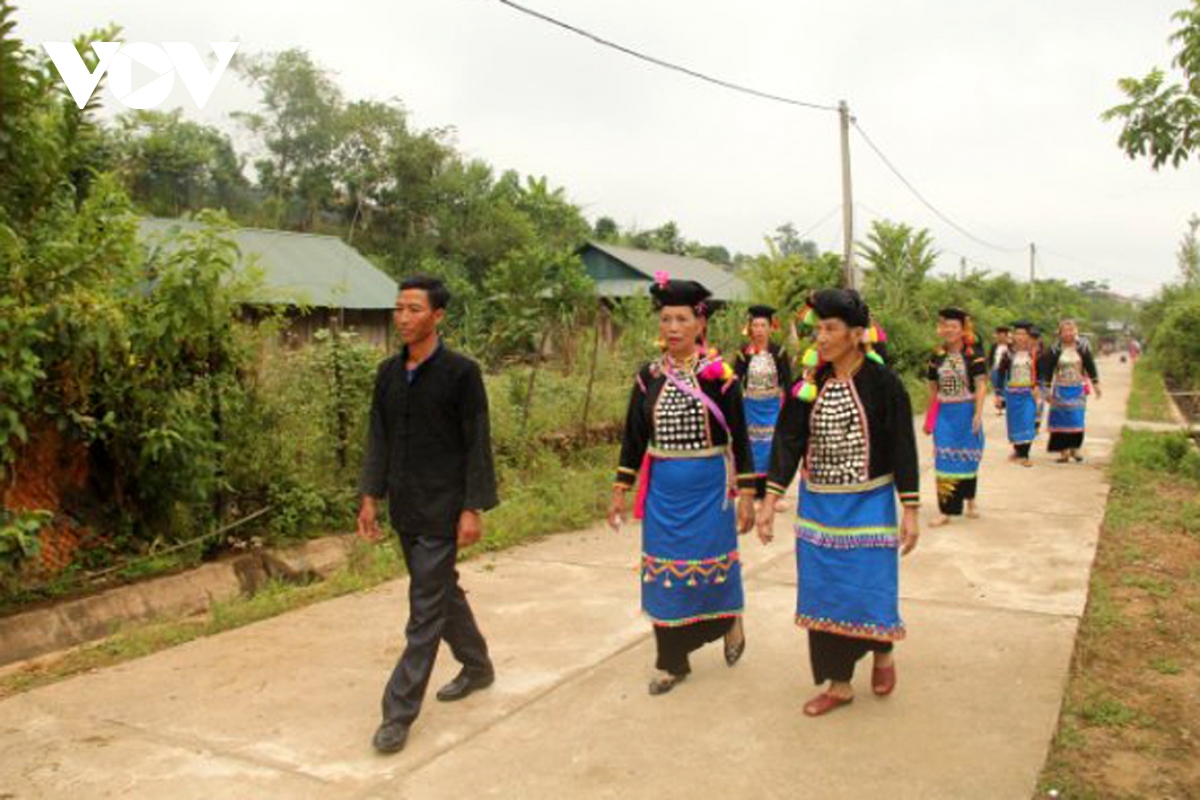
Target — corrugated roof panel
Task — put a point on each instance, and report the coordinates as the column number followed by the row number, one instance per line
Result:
column 723, row 284
column 301, row 268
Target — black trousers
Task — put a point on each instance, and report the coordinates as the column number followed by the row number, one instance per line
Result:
column 676, row 643
column 833, row 656
column 1065, row 441
column 437, row 611
column 953, row 494
column 1022, row 450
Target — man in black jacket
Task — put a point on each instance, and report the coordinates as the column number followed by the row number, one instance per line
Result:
column 429, row 450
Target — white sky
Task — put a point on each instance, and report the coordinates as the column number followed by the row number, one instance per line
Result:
column 991, row 108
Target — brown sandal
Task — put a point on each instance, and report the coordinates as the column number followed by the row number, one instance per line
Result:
column 823, row 703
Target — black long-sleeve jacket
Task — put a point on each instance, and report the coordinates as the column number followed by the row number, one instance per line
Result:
column 889, row 425
column 429, row 442
column 783, row 367
column 639, row 424
column 1049, row 364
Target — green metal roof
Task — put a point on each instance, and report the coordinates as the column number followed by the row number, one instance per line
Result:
column 299, row 268
column 723, row 284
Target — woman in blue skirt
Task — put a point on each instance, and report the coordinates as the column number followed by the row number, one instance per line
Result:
column 957, row 375
column 766, row 376
column 686, row 447
column 1022, row 393
column 848, row 426
column 1071, row 371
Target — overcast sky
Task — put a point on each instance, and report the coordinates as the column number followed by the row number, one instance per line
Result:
column 990, row 108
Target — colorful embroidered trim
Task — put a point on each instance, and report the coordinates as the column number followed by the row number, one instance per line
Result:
column 845, row 538
column 867, row 630
column 691, row 572
column 955, row 476
column 676, row 623
column 760, row 433
column 707, row 452
column 775, row 488
column 848, row 488
column 959, row 453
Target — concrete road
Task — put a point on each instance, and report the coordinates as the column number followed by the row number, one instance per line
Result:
column 285, row 708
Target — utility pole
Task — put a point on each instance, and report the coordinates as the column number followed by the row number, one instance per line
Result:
column 1032, row 268
column 849, row 277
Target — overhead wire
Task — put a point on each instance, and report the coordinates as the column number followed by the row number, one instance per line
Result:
column 887, row 162
column 776, row 98
column 629, row 51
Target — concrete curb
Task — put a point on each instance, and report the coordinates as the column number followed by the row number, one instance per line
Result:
column 86, row 619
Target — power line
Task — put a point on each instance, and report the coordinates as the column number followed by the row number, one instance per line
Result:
column 879, row 215
column 887, row 162
column 666, row 64
column 828, row 216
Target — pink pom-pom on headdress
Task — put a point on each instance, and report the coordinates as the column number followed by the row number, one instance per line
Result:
column 661, row 277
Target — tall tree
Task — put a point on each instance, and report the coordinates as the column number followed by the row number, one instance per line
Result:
column 172, row 165
column 897, row 260
column 300, row 127
column 1161, row 120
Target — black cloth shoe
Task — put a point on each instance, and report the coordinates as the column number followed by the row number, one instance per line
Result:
column 466, row 683
column 391, row 737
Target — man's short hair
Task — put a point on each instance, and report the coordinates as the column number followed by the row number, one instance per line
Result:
column 439, row 295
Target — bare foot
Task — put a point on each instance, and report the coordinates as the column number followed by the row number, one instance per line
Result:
column 939, row 521
column 972, row 511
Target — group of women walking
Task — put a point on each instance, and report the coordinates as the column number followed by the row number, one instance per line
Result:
column 709, row 449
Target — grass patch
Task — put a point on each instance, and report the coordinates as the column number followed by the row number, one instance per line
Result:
column 1148, row 396
column 1124, row 732
column 1107, row 712
column 1166, row 666
column 551, row 495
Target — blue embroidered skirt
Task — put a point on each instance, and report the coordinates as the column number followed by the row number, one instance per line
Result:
column 847, row 560
column 1068, row 409
column 1020, row 414
column 761, row 415
column 957, row 448
column 691, row 569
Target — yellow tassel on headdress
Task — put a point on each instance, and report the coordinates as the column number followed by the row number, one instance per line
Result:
column 808, row 316
column 808, row 392
column 811, row 358
column 872, row 335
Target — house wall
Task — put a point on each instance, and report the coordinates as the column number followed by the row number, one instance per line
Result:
column 601, row 267
column 373, row 326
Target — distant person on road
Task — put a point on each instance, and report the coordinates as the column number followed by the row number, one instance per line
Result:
column 957, row 375
column 848, row 427
column 999, row 347
column 766, row 376
column 429, row 452
column 1022, row 395
column 1035, row 333
column 684, row 425
column 1070, row 370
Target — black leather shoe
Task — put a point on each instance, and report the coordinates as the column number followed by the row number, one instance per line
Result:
column 391, row 737
column 466, row 683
